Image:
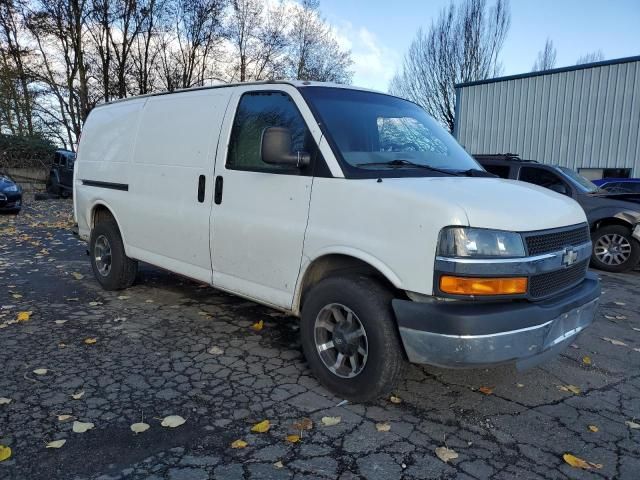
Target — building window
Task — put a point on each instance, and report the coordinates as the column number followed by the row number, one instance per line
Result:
column 598, row 173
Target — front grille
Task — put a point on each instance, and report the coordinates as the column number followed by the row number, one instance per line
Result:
column 549, row 283
column 538, row 243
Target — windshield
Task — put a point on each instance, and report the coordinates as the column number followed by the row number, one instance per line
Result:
column 373, row 131
column 579, row 181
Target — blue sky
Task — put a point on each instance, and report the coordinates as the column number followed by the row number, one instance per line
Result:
column 379, row 32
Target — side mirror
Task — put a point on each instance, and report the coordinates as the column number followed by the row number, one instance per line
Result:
column 560, row 188
column 275, row 149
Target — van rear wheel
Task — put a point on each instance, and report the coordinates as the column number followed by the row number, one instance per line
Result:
column 350, row 339
column 111, row 266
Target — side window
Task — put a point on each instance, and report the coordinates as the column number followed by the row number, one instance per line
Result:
column 500, row 170
column 544, row 178
column 256, row 112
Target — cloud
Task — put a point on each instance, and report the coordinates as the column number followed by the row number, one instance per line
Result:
column 374, row 64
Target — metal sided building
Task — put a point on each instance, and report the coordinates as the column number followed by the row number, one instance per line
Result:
column 586, row 117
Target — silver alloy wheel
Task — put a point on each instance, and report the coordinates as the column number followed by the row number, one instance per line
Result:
column 612, row 249
column 341, row 340
column 102, row 255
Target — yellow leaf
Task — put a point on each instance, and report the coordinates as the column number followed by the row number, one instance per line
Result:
column 77, row 276
column 486, row 390
column 520, row 385
column 78, row 395
column 613, row 341
column 278, row 464
column 445, row 454
column 56, row 444
column 261, row 427
column 395, row 399
column 292, row 438
column 383, row 427
column 239, row 444
column 258, row 326
column 586, row 360
column 16, row 296
column 139, row 427
column 579, row 463
column 569, row 388
column 90, row 341
column 64, row 417
column 81, row 427
column 40, row 371
column 23, row 316
column 5, row 453
column 593, row 428
column 330, row 421
column 4, row 400
column 172, row 421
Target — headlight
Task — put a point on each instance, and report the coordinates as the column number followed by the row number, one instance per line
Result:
column 11, row 188
column 478, row 242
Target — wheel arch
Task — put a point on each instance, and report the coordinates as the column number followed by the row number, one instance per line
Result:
column 351, row 262
column 101, row 211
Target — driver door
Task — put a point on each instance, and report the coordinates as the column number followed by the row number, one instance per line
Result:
column 260, row 210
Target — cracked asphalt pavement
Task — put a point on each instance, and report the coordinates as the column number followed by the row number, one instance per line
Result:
column 171, row 346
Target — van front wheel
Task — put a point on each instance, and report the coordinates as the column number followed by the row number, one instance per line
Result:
column 350, row 339
column 111, row 266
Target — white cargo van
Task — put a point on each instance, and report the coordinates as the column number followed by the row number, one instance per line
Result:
column 348, row 208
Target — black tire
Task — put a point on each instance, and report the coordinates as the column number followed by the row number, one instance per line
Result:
column 122, row 271
column 371, row 304
column 600, row 238
column 52, row 187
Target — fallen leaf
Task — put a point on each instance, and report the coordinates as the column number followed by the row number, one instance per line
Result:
column 614, row 341
column 383, row 427
column 81, row 427
column 215, row 351
column 631, row 424
column 16, row 296
column 77, row 276
column 331, row 421
column 445, row 454
column 292, row 438
column 486, row 390
column 64, row 417
column 60, row 322
column 139, row 427
column 620, row 303
column 579, row 463
column 56, row 444
column 123, row 297
column 278, row 464
column 593, row 428
column 78, row 395
column 621, row 317
column 23, row 316
column 569, row 388
column 258, row 326
column 4, row 400
column 303, row 424
column 520, row 385
column 586, row 360
column 172, row 421
column 5, row 453
column 395, row 399
column 261, row 427
column 40, row 371
column 94, row 304
column 239, row 444
column 90, row 340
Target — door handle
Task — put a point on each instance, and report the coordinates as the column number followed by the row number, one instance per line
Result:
column 217, row 196
column 201, row 187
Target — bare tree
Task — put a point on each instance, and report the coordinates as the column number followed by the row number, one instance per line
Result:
column 591, row 58
column 462, row 45
column 546, row 59
column 314, row 53
column 15, row 78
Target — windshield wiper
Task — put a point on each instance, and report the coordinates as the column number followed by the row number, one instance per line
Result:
column 406, row 163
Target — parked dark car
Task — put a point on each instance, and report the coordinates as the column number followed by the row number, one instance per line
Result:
column 619, row 185
column 10, row 195
column 614, row 218
column 61, row 174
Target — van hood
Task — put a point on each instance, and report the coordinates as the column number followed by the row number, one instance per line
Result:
column 496, row 203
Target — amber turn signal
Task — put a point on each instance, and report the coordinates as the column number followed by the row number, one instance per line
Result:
column 483, row 286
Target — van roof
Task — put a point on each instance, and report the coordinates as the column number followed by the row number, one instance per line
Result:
column 293, row 83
